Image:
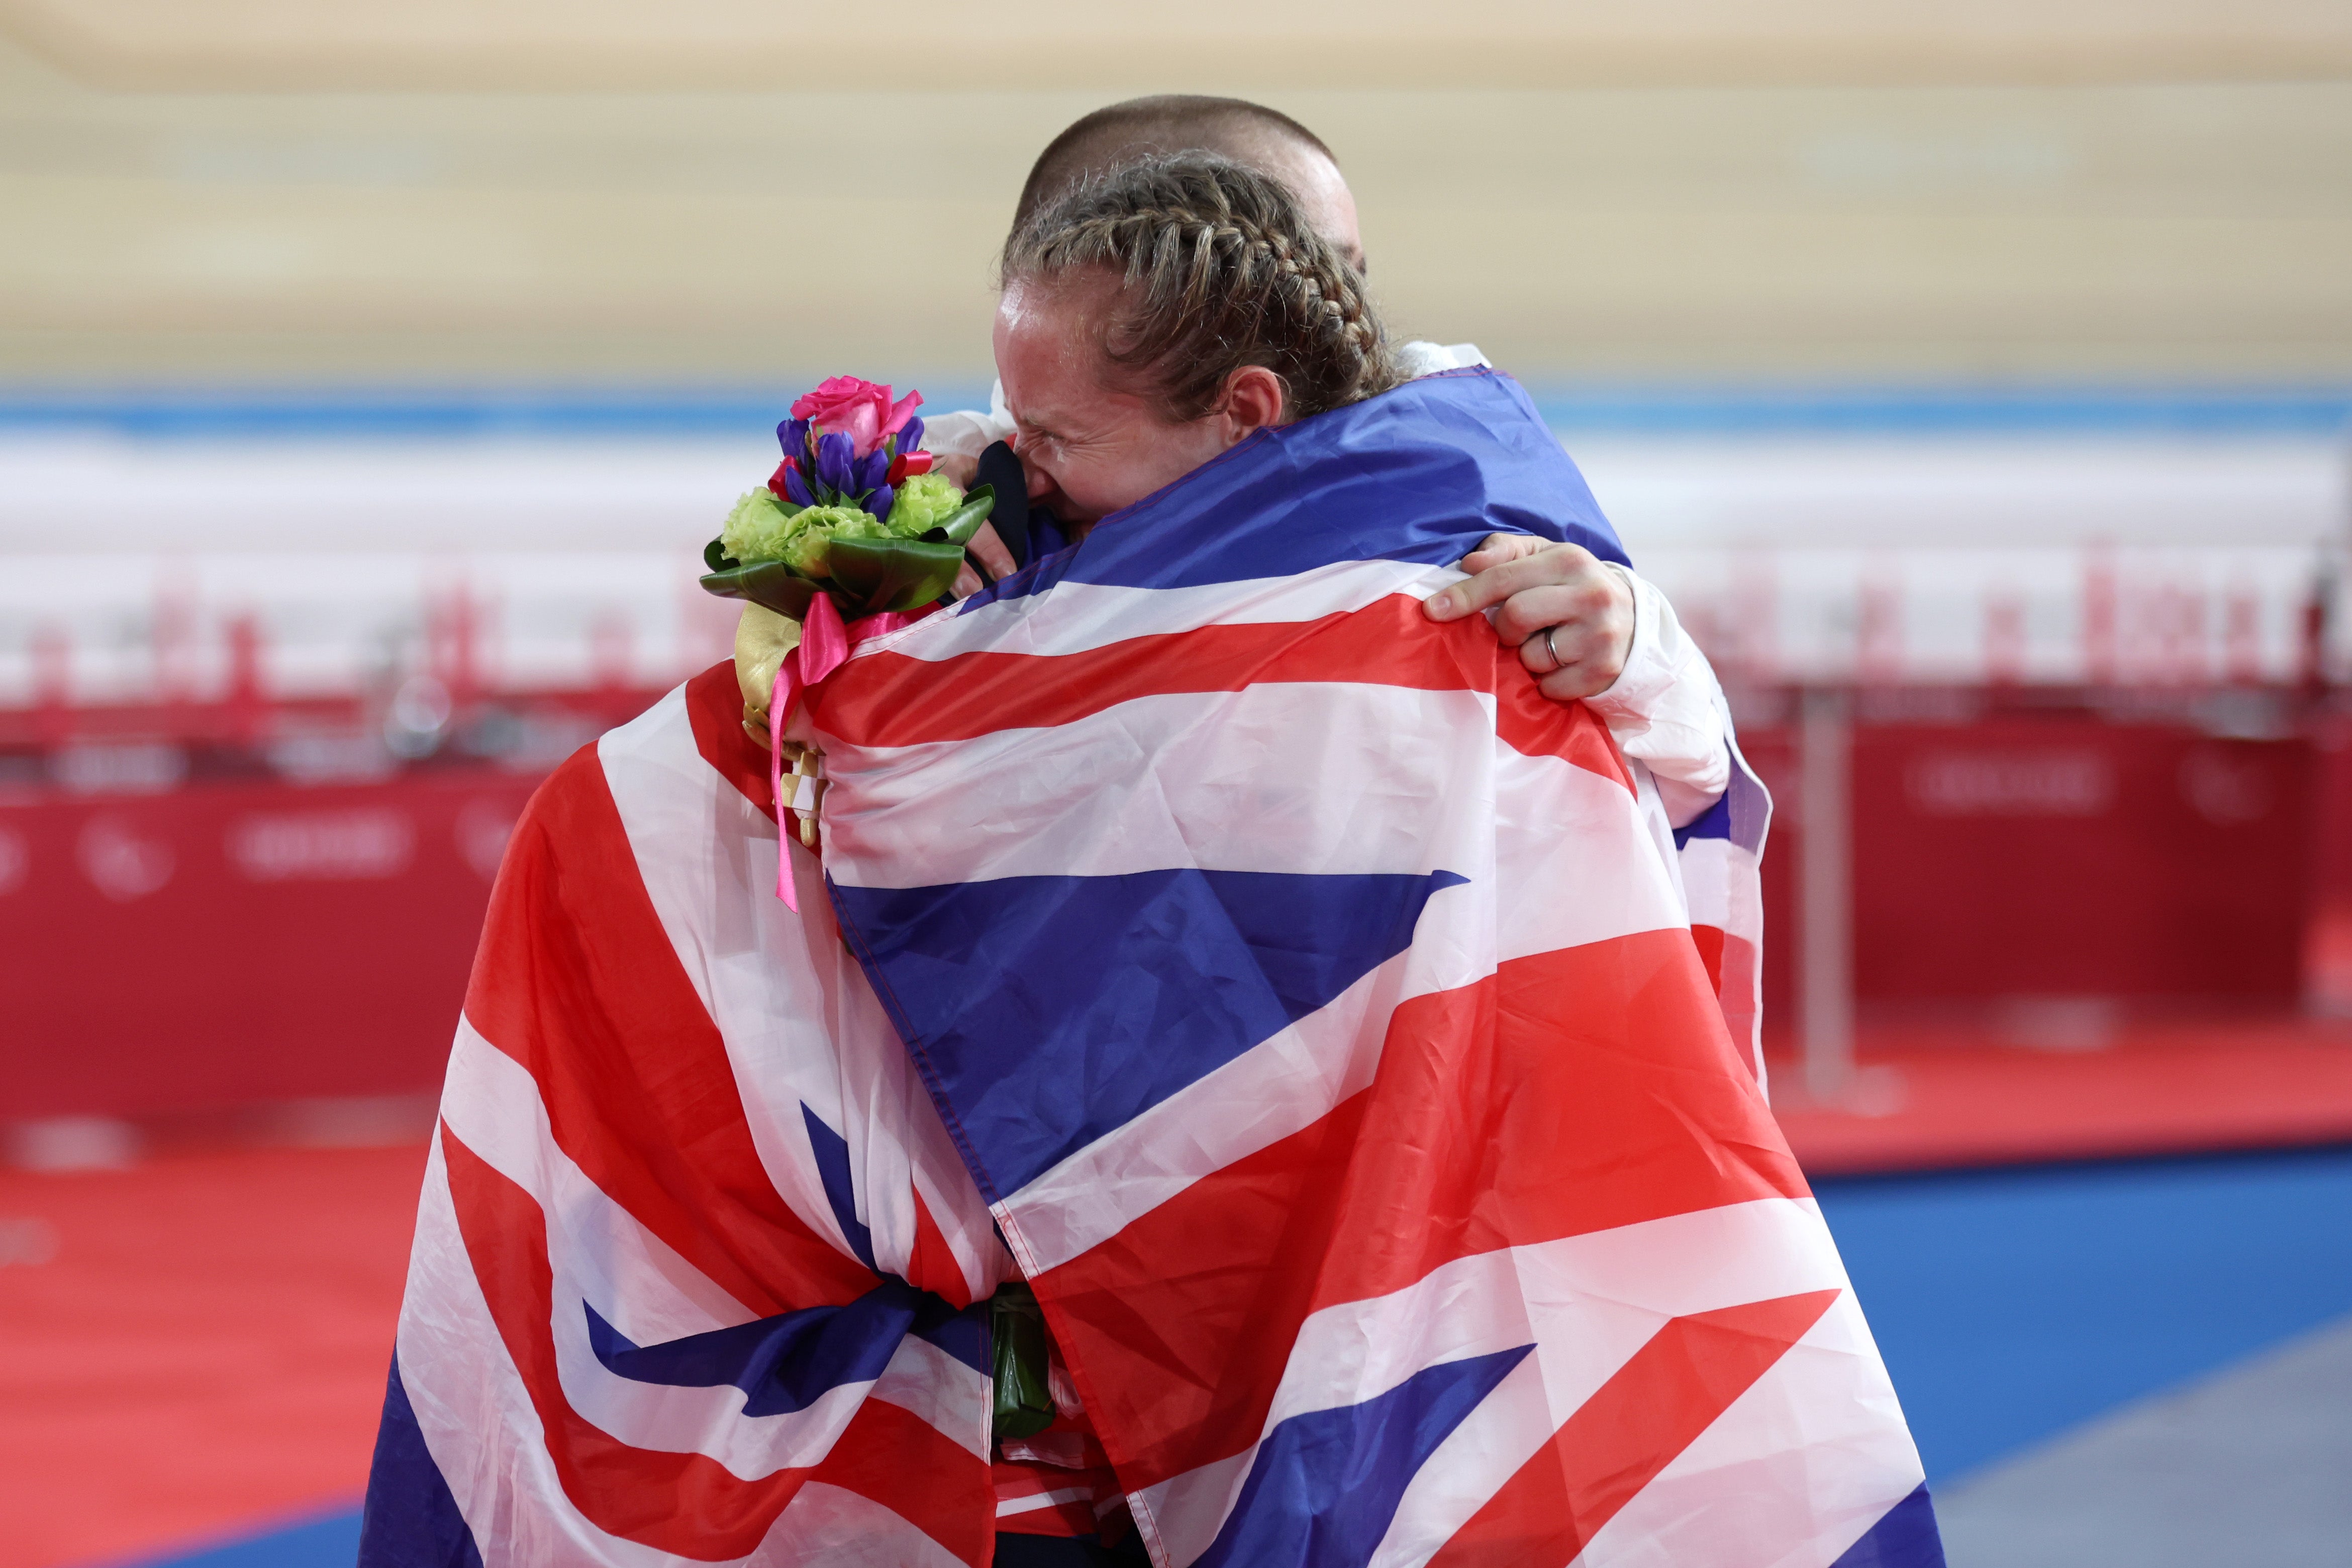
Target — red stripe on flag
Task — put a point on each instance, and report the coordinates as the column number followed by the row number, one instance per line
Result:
column 1176, row 1330
column 689, row 1504
column 1649, row 1411
column 714, row 709
column 1731, row 970
column 1573, row 1092
column 933, row 1265
column 1708, row 939
column 576, row 980
column 893, row 699
column 891, row 1456
column 1535, row 726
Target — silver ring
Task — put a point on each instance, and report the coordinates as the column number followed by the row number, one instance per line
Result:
column 1557, row 662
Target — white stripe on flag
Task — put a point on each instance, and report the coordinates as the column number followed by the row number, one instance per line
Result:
column 1570, row 867
column 1149, row 783
column 1010, row 1506
column 800, row 1023
column 476, row 1417
column 1586, row 1303
column 601, row 1258
column 1507, row 1428
column 957, row 1399
column 1073, row 617
column 1794, row 1472
column 829, row 1527
column 643, row 1288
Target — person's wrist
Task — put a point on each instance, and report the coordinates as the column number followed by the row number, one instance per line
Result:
column 1625, row 601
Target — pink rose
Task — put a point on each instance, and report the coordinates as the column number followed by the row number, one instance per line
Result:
column 858, row 409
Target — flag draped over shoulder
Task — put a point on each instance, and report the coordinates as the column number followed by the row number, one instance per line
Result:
column 694, row 1260
column 1318, row 1009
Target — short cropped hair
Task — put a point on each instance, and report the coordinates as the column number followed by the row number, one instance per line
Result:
column 1217, row 269
column 1162, row 126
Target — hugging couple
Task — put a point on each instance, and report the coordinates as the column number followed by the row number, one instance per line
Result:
column 1241, row 1081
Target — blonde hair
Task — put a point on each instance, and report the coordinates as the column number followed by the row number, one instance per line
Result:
column 1219, row 270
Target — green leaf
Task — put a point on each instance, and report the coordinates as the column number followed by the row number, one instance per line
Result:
column 715, row 556
column 876, row 574
column 771, row 585
column 960, row 524
column 1024, row 1403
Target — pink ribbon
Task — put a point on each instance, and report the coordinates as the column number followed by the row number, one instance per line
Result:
column 823, row 647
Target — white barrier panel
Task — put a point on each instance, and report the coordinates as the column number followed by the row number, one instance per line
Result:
column 295, row 569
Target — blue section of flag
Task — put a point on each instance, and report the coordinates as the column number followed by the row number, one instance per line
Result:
column 1047, row 1011
column 1324, row 1485
column 411, row 1518
column 1905, row 1537
column 1422, row 473
column 832, row 1153
column 786, row 1363
column 1715, row 822
column 1742, row 813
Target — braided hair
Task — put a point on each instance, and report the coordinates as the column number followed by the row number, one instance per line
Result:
column 1220, row 269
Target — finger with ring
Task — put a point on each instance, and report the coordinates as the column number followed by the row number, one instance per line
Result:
column 1557, row 662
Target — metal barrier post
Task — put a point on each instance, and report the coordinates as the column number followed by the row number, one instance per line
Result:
column 1825, row 894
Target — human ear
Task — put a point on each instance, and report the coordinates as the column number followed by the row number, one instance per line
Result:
column 1254, row 399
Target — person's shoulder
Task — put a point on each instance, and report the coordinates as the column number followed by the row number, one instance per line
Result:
column 1418, row 358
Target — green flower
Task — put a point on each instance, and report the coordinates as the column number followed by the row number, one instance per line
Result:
column 924, row 502
column 762, row 528
column 819, row 526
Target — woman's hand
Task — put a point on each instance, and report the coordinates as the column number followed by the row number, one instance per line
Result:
column 961, row 467
column 992, row 555
column 1570, row 615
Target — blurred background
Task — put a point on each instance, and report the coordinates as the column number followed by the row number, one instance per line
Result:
column 1976, row 381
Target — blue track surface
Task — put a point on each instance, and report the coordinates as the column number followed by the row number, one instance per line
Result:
column 2013, row 1304
column 330, row 1542
column 2009, row 1304
column 2315, row 410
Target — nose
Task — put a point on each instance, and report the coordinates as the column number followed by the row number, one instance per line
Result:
column 1040, row 483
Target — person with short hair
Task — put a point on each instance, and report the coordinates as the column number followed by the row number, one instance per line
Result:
column 1588, row 630
column 1110, row 837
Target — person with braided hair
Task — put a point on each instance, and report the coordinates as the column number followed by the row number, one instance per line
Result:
column 1590, row 630
column 1215, row 307
column 1285, row 969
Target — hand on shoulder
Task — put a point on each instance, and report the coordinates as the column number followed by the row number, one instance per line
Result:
column 1568, row 613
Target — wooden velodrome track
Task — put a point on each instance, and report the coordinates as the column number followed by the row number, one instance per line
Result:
column 728, row 192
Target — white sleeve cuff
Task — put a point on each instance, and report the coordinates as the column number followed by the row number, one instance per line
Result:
column 966, row 432
column 1663, row 707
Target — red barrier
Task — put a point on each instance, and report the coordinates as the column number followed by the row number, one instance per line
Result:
column 225, row 943
column 2060, row 856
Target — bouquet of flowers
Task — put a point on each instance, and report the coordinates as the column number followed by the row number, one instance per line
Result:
column 854, row 512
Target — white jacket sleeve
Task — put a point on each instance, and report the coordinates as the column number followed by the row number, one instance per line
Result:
column 968, row 432
column 1665, row 709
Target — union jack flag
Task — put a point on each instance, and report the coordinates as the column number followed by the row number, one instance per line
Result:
column 1313, row 1009
column 695, row 1262
column 1319, row 1011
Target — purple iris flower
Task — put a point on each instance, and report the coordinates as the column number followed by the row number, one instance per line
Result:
column 910, row 435
column 792, row 436
column 836, row 462
column 796, row 489
column 878, row 504
column 872, row 469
